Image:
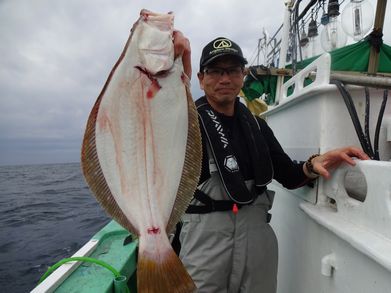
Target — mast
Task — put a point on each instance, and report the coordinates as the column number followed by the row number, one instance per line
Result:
column 284, row 46
column 378, row 30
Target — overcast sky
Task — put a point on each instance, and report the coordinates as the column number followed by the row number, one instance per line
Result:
column 55, row 56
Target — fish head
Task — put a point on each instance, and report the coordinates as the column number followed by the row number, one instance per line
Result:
column 155, row 41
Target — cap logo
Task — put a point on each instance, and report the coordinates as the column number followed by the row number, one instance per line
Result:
column 222, row 43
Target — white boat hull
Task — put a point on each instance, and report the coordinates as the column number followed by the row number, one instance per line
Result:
column 328, row 240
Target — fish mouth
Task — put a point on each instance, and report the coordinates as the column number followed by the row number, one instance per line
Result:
column 146, row 12
column 163, row 21
column 153, row 76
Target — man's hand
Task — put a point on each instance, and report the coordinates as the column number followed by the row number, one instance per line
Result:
column 182, row 48
column 330, row 160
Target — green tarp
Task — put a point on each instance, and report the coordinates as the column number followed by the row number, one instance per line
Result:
column 354, row 57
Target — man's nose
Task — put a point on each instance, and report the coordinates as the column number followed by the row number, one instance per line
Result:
column 225, row 76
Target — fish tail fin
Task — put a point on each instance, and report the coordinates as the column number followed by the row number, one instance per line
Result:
column 164, row 275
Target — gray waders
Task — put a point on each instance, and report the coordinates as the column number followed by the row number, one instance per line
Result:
column 227, row 252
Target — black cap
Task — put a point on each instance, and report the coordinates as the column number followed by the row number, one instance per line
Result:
column 220, row 47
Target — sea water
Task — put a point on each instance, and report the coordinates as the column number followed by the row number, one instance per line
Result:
column 46, row 213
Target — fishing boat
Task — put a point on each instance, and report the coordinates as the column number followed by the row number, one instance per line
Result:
column 334, row 234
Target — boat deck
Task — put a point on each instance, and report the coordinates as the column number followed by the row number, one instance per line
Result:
column 93, row 278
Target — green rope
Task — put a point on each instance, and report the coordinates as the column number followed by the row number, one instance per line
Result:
column 78, row 258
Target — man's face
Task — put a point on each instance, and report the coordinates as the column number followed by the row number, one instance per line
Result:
column 222, row 81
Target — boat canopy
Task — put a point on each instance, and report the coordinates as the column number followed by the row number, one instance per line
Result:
column 352, row 58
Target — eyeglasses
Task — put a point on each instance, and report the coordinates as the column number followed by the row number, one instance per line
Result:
column 217, row 72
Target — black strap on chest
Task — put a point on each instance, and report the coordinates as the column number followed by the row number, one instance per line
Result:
column 224, row 157
column 213, row 133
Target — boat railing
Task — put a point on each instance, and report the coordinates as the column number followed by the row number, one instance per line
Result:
column 364, row 221
column 58, row 276
column 319, row 70
column 320, row 74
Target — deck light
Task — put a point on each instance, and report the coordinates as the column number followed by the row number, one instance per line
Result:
column 333, row 36
column 357, row 18
column 312, row 37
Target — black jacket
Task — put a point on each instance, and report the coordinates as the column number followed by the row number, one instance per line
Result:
column 290, row 174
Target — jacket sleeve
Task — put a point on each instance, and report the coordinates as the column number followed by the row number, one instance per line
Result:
column 290, row 174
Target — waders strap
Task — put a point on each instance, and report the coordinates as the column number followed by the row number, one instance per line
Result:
column 211, row 205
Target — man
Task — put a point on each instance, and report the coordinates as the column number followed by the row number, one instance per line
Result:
column 227, row 244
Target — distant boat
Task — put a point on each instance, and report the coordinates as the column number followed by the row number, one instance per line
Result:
column 334, row 236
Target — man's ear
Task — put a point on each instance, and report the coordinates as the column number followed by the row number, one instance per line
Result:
column 201, row 80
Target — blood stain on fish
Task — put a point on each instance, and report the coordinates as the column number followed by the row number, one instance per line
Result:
column 153, row 230
column 153, row 89
column 183, row 77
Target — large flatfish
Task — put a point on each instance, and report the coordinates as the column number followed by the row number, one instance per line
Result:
column 141, row 153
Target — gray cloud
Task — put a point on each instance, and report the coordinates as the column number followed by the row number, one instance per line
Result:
column 56, row 56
